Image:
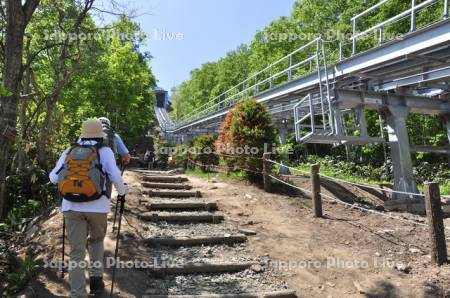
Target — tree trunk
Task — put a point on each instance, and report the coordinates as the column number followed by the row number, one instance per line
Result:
column 43, row 134
column 17, row 17
column 27, row 89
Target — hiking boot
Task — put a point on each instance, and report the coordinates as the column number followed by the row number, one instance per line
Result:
column 96, row 285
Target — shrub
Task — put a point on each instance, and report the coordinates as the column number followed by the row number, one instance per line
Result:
column 250, row 127
column 28, row 192
column 204, row 151
column 162, row 153
column 180, row 156
column 23, row 271
column 224, row 141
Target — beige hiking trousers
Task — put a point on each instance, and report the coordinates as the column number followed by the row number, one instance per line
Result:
column 78, row 226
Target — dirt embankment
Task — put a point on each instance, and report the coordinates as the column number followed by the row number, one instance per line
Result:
column 349, row 253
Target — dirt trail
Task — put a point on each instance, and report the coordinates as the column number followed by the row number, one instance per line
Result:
column 346, row 254
column 225, row 267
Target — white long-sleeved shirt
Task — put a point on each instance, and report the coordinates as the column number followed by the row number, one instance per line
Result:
column 108, row 163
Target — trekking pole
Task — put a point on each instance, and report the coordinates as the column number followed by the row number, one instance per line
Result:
column 117, row 202
column 63, row 265
column 120, row 199
column 63, row 252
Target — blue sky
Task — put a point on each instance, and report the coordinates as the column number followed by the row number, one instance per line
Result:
column 209, row 28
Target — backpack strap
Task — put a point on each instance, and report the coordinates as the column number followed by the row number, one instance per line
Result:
column 99, row 146
column 68, row 153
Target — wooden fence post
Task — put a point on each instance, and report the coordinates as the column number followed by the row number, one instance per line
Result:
column 267, row 170
column 315, row 189
column 435, row 223
column 188, row 159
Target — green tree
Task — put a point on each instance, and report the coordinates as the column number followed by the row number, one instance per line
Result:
column 250, row 131
column 204, row 151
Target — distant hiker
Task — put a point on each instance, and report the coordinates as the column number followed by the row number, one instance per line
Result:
column 114, row 141
column 149, row 158
column 81, row 173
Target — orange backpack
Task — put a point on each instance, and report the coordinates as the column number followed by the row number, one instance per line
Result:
column 81, row 179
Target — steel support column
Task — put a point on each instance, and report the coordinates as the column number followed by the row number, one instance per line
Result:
column 400, row 151
column 447, row 127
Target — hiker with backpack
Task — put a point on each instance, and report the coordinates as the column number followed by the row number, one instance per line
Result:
column 81, row 174
column 114, row 141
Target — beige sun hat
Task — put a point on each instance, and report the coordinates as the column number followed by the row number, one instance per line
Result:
column 92, row 129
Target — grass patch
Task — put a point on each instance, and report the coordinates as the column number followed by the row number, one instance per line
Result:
column 300, row 203
column 239, row 175
column 444, row 187
column 330, row 172
column 25, row 269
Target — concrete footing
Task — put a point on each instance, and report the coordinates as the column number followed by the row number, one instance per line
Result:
column 415, row 206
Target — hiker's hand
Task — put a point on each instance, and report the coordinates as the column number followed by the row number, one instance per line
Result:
column 126, row 159
column 124, row 191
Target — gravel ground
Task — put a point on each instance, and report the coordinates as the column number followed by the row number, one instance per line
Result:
column 207, row 254
column 3, row 263
column 163, row 229
column 187, row 213
column 229, row 283
column 170, row 200
column 152, row 198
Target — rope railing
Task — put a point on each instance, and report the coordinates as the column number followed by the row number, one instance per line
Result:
column 327, row 197
column 222, row 167
column 290, row 168
column 291, row 185
column 351, row 183
column 334, row 199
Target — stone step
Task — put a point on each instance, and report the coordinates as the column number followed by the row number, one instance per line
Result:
column 160, row 185
column 172, row 194
column 180, row 206
column 181, row 217
column 164, row 179
column 196, row 240
column 275, row 294
column 199, row 268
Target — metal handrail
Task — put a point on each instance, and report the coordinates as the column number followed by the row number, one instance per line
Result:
column 380, row 26
column 218, row 100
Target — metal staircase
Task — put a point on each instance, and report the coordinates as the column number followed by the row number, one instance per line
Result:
column 319, row 119
column 314, row 114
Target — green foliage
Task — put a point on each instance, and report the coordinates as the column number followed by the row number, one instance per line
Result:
column 354, row 172
column 249, row 129
column 343, row 168
column 162, row 152
column 180, row 156
column 237, row 175
column 210, row 80
column 29, row 192
column 251, row 126
column 224, row 140
column 117, row 85
column 3, row 91
column 425, row 171
column 204, row 151
column 23, row 271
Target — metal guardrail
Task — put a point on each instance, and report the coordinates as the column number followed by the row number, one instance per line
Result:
column 268, row 78
column 263, row 80
column 410, row 13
